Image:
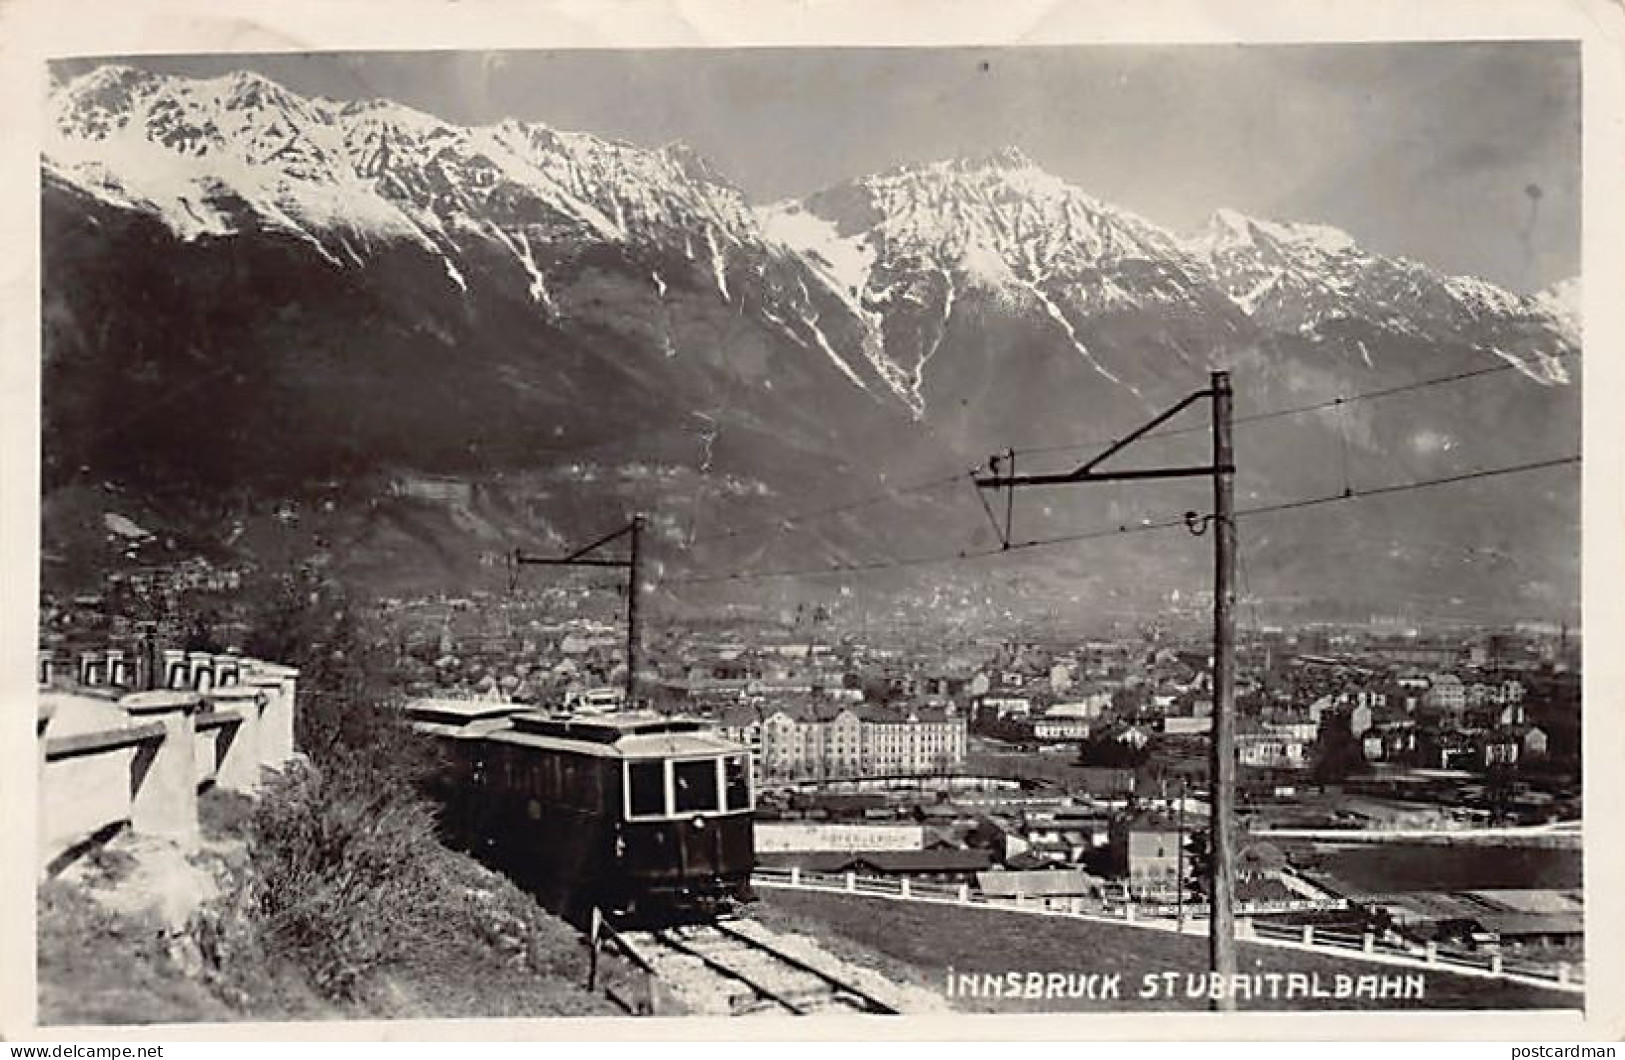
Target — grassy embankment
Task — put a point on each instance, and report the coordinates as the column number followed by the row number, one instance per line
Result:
column 436, row 936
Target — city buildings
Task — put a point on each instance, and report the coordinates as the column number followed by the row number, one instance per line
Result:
column 1145, row 849
column 812, row 740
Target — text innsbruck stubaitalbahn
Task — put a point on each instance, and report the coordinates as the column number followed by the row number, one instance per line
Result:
column 1161, row 986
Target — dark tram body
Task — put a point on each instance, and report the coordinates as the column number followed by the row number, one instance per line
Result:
column 635, row 814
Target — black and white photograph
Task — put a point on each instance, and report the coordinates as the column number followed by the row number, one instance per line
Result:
column 824, row 530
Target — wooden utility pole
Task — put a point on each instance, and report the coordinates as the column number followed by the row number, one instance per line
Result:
column 581, row 558
column 1222, row 759
column 594, row 941
column 1179, row 885
column 1222, row 746
column 634, row 587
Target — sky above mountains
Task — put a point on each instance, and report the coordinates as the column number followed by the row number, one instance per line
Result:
column 1462, row 155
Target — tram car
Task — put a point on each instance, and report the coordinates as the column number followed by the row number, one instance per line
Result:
column 638, row 815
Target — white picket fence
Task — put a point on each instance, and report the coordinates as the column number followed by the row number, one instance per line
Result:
column 1306, row 937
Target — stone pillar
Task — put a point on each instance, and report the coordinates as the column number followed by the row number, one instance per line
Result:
column 238, row 768
column 903, row 888
column 1497, row 965
column 228, row 671
column 795, row 875
column 277, row 723
column 200, row 667
column 174, row 673
column 290, row 719
column 270, row 688
column 1432, row 953
column 47, row 667
column 1309, row 934
column 164, row 778
column 964, row 892
column 1244, row 927
column 92, row 668
column 851, row 882
column 149, row 662
column 1368, row 942
column 118, row 670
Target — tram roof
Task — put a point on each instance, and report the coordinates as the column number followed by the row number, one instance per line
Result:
column 635, row 734
column 638, row 745
column 603, row 728
column 460, row 711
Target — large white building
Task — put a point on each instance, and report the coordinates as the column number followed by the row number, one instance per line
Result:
column 1446, row 694
column 811, row 741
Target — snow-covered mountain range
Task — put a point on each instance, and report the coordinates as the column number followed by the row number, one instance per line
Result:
column 1563, row 301
column 533, row 287
column 903, row 244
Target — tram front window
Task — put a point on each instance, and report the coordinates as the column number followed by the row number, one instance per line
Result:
column 736, row 779
column 646, row 796
column 696, row 785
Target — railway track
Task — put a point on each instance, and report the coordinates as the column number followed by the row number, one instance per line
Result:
column 739, row 968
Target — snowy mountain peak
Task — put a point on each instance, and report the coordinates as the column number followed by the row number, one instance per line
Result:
column 249, row 89
column 94, row 103
column 1313, row 280
column 1564, row 294
column 176, row 145
column 1229, row 224
column 908, row 246
column 1563, row 301
column 1001, row 213
column 1009, row 157
column 111, row 78
column 1230, row 230
column 694, row 165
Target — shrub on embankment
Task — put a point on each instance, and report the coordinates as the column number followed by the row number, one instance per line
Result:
column 349, row 886
column 341, row 880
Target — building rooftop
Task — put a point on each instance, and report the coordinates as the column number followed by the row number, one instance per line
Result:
column 813, row 710
column 1038, row 883
column 1514, row 900
column 1146, row 821
column 899, row 862
column 1512, row 925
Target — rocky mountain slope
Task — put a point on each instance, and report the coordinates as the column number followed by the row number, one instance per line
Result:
column 254, row 299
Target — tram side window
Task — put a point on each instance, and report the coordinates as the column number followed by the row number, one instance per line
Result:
column 696, row 785
column 736, row 778
column 647, row 781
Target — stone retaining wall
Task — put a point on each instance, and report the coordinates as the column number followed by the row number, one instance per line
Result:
column 110, row 757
